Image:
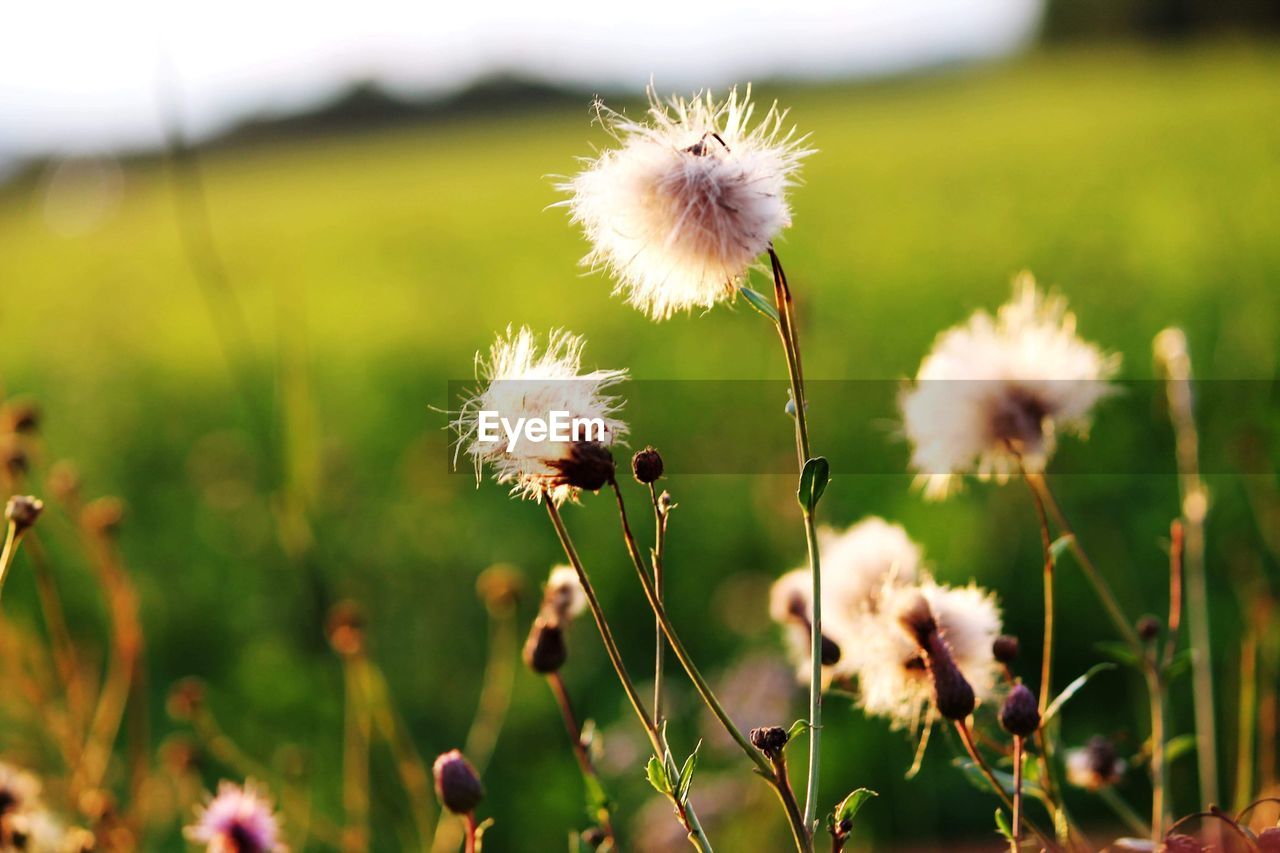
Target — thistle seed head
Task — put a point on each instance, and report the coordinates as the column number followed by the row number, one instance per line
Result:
column 545, row 651
column 647, row 466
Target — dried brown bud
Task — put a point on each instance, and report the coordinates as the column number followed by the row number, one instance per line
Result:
column 345, row 627
column 457, row 784
column 1020, row 715
column 1005, row 649
column 186, row 698
column 647, row 466
column 952, row 692
column 545, row 651
column 589, row 466
column 22, row 512
column 770, row 740
column 103, row 516
column 1148, row 628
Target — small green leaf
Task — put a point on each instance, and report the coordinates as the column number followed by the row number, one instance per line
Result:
column 798, row 728
column 1073, row 688
column 1059, row 545
column 686, row 774
column 813, row 482
column 850, row 805
column 1119, row 652
column 758, row 302
column 480, row 831
column 658, row 776
column 1179, row 746
column 1003, row 826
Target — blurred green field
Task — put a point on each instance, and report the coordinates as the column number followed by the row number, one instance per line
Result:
column 1142, row 183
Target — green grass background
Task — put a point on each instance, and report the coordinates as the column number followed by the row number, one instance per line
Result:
column 1142, row 183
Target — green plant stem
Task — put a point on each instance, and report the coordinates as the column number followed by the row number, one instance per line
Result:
column 788, row 798
column 660, row 653
column 791, row 348
column 8, row 552
column 685, row 812
column 355, row 759
column 472, row 830
column 966, row 736
column 763, row 766
column 585, row 764
column 1016, row 842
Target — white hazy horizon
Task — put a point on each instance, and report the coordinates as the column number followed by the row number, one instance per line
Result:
column 77, row 76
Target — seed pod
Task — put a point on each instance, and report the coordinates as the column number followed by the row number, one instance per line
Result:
column 647, row 466
column 1148, row 628
column 545, row 651
column 457, row 784
column 22, row 511
column 589, row 466
column 1019, row 715
column 1005, row 649
column 770, row 740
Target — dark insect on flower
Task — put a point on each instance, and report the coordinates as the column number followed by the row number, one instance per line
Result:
column 457, row 783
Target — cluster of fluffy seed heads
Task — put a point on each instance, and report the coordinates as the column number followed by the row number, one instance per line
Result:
column 994, row 393
column 522, row 381
column 872, row 575
column 687, row 200
column 546, row 648
column 240, row 819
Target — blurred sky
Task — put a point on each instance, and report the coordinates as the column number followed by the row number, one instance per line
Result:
column 82, row 75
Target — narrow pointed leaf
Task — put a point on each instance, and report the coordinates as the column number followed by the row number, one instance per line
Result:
column 758, row 302
column 657, row 775
column 850, row 805
column 1073, row 688
column 1059, row 545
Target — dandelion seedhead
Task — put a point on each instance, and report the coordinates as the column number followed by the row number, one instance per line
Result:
column 932, row 647
column 564, row 595
column 1095, row 765
column 687, row 200
column 857, row 564
column 994, row 393
column 240, row 819
column 522, row 381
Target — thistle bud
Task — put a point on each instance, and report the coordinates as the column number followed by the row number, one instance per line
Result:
column 1019, row 715
column 952, row 693
column 545, row 651
column 588, row 466
column 830, row 651
column 457, row 784
column 647, row 466
column 1148, row 628
column 1005, row 649
column 22, row 512
column 770, row 740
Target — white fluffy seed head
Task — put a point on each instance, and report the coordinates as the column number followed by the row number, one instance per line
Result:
column 791, row 607
column 564, row 594
column 893, row 681
column 519, row 380
column 688, row 199
column 997, row 390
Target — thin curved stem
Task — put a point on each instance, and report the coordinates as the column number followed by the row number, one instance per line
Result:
column 684, row 811
column 764, row 767
column 585, row 764
column 8, row 552
column 1017, row 794
column 791, row 348
column 966, row 736
column 660, row 652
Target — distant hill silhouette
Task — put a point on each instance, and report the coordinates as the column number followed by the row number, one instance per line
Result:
column 368, row 107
